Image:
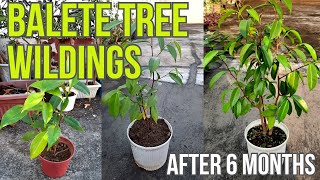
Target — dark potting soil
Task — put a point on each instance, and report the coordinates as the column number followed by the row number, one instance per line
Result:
column 157, row 134
column 61, row 153
column 256, row 137
column 7, row 90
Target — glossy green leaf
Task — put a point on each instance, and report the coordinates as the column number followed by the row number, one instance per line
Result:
column 55, row 92
column 253, row 13
column 227, row 13
column 235, row 95
column 237, row 109
column 47, row 85
column 231, row 48
column 152, row 101
column 283, row 110
column 293, row 82
column 244, row 27
column 275, row 30
column 54, row 133
column 32, row 100
column 288, row 3
column 296, row 33
column 274, row 70
column 161, row 43
column 134, row 111
column 243, row 52
column 312, row 76
column 226, row 107
column 209, row 57
column 154, row 113
column 301, row 103
column 72, row 122
column 107, row 96
column 176, row 78
column 284, row 61
column 38, row 144
column 215, row 78
column 261, row 88
column 311, row 51
column 47, row 111
column 267, row 56
column 154, row 64
column 298, row 108
column 172, row 51
column 13, row 115
column 268, row 113
column 55, row 101
column 277, row 8
column 80, row 86
column 271, row 120
column 301, row 54
column 114, row 105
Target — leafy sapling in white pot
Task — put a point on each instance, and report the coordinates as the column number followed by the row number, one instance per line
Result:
column 148, row 133
column 265, row 79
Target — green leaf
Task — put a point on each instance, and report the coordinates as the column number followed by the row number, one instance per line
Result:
column 231, row 48
column 172, row 51
column 226, row 107
column 253, row 13
column 311, row 51
column 272, row 89
column 227, row 13
column 296, row 33
column 152, row 101
column 235, row 95
column 274, row 70
column 277, row 8
column 154, row 64
column 125, row 106
column 271, row 121
column 73, row 82
column 284, row 61
column 288, row 3
column 107, row 97
column 179, row 48
column 312, row 76
column 134, row 111
column 114, row 105
column 64, row 104
column 55, row 92
column 38, row 144
column 267, row 56
column 154, row 113
column 215, row 78
column 54, row 133
column 72, row 122
column 176, row 78
column 28, row 136
column 55, row 101
column 13, row 115
column 244, row 27
column 111, row 25
column 283, row 110
column 237, row 109
column 161, row 43
column 243, row 52
column 209, row 57
column 275, row 30
column 47, row 85
column 293, row 82
column 32, row 100
column 241, row 10
column 301, row 54
column 298, row 109
column 47, row 111
column 301, row 103
column 261, row 88
column 80, row 86
column 268, row 113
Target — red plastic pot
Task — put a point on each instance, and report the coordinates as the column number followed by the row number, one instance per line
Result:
column 57, row 169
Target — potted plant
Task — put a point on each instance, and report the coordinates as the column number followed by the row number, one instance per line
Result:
column 148, row 133
column 265, row 78
column 54, row 151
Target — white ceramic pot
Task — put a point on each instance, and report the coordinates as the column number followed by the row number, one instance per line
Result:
column 258, row 150
column 93, row 90
column 150, row 158
column 72, row 101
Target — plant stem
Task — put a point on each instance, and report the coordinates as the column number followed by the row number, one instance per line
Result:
column 294, row 70
column 263, row 119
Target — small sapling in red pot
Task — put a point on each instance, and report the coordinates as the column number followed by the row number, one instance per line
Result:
column 54, row 151
column 265, row 79
column 148, row 133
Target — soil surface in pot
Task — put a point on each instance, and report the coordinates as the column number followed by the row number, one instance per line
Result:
column 61, row 153
column 256, row 137
column 7, row 90
column 70, row 95
column 157, row 134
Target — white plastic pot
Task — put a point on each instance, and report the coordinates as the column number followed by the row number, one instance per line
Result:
column 150, row 158
column 72, row 101
column 258, row 150
column 93, row 90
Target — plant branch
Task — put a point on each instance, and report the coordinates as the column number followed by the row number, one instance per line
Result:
column 293, row 71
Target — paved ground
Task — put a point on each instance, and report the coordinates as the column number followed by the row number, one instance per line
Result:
column 86, row 163
column 182, row 106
